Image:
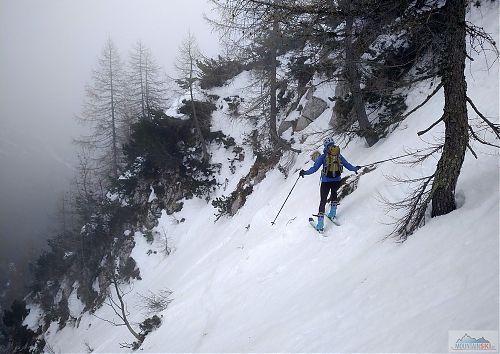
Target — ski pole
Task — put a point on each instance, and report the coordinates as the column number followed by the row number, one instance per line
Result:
column 272, row 223
column 394, row 158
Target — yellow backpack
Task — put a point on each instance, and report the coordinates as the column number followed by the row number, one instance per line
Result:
column 333, row 165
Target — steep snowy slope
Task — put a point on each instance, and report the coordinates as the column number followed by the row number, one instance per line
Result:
column 283, row 288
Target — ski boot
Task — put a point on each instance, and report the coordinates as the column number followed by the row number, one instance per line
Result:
column 333, row 210
column 321, row 223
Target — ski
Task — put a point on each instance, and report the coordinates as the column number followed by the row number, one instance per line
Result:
column 333, row 220
column 313, row 224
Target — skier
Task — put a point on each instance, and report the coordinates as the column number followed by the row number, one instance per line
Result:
column 333, row 163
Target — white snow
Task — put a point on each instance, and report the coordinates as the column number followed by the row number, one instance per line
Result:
column 152, row 195
column 34, row 316
column 95, row 285
column 173, row 110
column 284, row 289
column 74, row 304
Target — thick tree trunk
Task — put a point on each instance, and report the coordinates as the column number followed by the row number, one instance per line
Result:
column 354, row 81
column 455, row 111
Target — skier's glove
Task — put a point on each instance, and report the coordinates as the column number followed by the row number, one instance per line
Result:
column 302, row 173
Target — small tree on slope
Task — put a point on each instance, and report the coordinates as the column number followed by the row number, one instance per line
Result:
column 189, row 54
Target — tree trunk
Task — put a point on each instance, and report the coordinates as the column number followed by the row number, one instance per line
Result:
column 142, row 86
column 277, row 142
column 123, row 312
column 195, row 117
column 354, row 81
column 113, row 120
column 455, row 111
column 273, row 53
column 148, row 113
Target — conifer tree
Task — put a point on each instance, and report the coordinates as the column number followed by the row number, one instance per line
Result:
column 455, row 110
column 145, row 83
column 104, row 110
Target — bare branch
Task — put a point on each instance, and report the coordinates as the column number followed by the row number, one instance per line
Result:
column 111, row 322
column 414, row 206
column 436, row 90
column 482, row 141
column 419, row 156
column 494, row 127
column 422, row 132
column 471, row 150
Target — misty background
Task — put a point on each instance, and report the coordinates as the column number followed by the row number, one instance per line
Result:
column 47, row 51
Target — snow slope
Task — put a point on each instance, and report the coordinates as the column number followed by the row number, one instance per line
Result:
column 283, row 288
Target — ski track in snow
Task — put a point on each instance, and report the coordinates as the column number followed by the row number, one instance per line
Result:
column 284, row 288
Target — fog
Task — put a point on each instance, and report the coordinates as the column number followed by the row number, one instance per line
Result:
column 47, row 51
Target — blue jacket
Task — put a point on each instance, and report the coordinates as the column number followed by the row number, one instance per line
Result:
column 321, row 160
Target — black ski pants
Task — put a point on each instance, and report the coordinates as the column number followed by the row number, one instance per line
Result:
column 324, row 190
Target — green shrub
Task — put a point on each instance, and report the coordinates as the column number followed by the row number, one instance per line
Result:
column 215, row 72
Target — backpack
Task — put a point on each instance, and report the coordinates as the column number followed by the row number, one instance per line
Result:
column 333, row 164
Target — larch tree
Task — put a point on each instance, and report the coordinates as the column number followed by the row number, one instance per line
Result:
column 445, row 26
column 145, row 82
column 103, row 110
column 455, row 110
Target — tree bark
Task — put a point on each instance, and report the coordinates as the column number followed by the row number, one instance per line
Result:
column 455, row 110
column 353, row 79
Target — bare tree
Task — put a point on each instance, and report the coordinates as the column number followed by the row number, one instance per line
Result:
column 119, row 306
column 103, row 110
column 86, row 185
column 145, row 83
column 188, row 75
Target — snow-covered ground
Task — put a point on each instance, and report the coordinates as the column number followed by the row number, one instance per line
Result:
column 284, row 288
